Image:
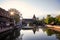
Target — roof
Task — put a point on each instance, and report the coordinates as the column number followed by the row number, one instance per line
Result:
column 4, row 13
column 28, row 20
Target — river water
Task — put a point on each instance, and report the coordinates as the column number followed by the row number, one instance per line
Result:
column 32, row 34
column 38, row 34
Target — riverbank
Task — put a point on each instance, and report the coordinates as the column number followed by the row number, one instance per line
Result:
column 54, row 27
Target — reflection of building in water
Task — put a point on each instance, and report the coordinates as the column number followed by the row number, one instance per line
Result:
column 35, row 29
column 10, row 35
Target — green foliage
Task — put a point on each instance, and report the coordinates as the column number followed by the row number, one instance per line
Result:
column 49, row 19
column 16, row 15
column 58, row 19
column 17, row 18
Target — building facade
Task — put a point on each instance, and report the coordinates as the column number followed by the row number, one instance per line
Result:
column 4, row 18
column 29, row 21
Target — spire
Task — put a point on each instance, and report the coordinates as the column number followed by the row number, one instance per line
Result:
column 34, row 17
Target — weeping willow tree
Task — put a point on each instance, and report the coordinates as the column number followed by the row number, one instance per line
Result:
column 16, row 14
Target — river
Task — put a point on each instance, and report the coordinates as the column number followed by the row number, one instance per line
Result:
column 34, row 34
column 39, row 34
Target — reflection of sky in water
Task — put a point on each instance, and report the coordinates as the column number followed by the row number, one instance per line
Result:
column 39, row 35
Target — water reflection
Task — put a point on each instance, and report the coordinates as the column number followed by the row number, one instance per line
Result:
column 40, row 34
column 51, row 32
column 10, row 35
column 31, row 34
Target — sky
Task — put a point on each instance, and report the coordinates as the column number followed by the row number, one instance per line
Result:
column 41, row 8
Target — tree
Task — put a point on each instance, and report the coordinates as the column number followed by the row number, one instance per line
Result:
column 49, row 19
column 58, row 19
column 16, row 14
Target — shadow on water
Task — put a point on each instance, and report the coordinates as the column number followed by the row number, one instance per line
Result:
column 10, row 35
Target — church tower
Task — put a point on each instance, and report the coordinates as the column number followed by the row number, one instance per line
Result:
column 34, row 17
